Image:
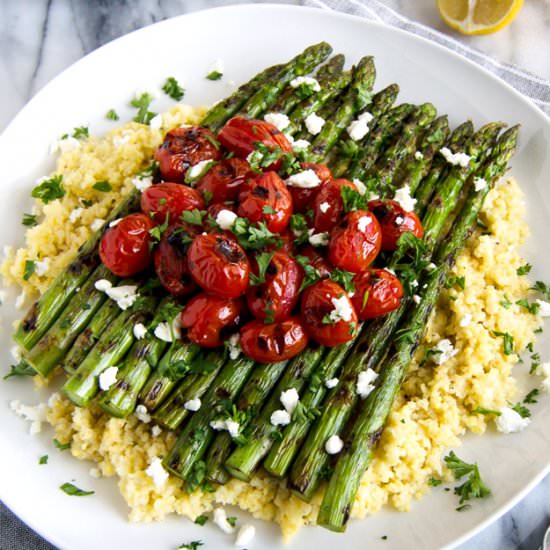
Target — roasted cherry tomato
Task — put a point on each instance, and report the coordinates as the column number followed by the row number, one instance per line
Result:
column 286, row 242
column 302, row 199
column 214, row 209
column 185, row 147
column 218, row 264
column 241, row 136
column 266, row 198
column 316, row 260
column 222, row 182
column 394, row 221
column 327, row 314
column 276, row 297
column 328, row 206
column 355, row 242
column 377, row 292
column 274, row 342
column 125, row 248
column 171, row 259
column 208, row 317
column 169, row 198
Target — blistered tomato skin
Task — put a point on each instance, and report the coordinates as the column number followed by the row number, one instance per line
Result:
column 240, row 135
column 278, row 295
column 171, row 259
column 317, row 306
column 185, row 147
column 125, row 247
column 208, row 318
column 394, row 221
column 266, row 199
column 355, row 242
column 328, row 206
column 218, row 265
column 273, row 342
column 377, row 292
column 169, row 198
column 223, row 181
column 302, row 199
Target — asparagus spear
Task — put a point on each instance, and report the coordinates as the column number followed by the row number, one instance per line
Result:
column 373, row 412
column 194, row 439
column 372, row 343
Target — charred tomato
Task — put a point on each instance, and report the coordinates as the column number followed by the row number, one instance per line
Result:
column 328, row 206
column 170, row 199
column 222, row 182
column 377, row 292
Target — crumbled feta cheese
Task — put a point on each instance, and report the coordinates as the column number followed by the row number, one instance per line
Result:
column 544, row 370
column 510, row 421
column 245, row 535
column 308, row 81
column 399, row 220
column 363, row 222
column 289, row 399
column 318, row 239
column 41, row 267
column 107, row 378
column 365, row 382
column 97, row 224
column 280, row 418
column 141, row 183
column 193, row 405
column 331, row 383
column 103, row 285
column 334, row 445
column 416, row 299
column 234, row 346
column 361, row 187
column 157, row 472
column 65, row 145
column 124, row 295
column 140, row 330
column 15, row 352
column 359, row 128
column 218, row 424
column 162, row 332
column 75, row 214
column 446, row 351
column 314, row 123
column 414, row 283
column 306, row 179
column 544, row 308
column 95, row 473
column 479, row 184
column 279, row 120
column 156, row 431
column 156, row 122
column 142, row 414
column 197, row 170
column 431, row 266
column 300, row 144
column 120, row 140
column 324, row 207
column 343, row 310
column 403, row 197
column 456, row 159
column 114, row 223
column 20, row 300
column 233, row 427
column 220, row 519
column 418, row 155
column 466, row 320
column 226, row 218
column 34, row 414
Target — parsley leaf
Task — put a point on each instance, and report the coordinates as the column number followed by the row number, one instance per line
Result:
column 201, row 520
column 62, row 446
column 191, row 545
column 433, row 482
column 524, row 269
column 473, row 487
column 49, row 190
column 312, row 274
column 543, row 288
column 103, row 186
column 264, row 156
column 30, row 268
column 196, row 476
column 172, row 89
column 157, row 231
column 298, row 226
column 142, row 104
column 263, row 260
column 507, row 342
column 532, row 307
column 267, row 209
column 214, row 75
column 530, row 397
column 505, row 302
column 29, row 220
column 232, row 520
column 344, row 279
column 21, row 369
column 111, row 114
column 43, row 459
column 522, row 410
column 269, row 313
column 483, row 410
column 455, row 281
column 74, row 491
column 193, row 217
column 353, row 200
column 81, row 132
column 254, row 236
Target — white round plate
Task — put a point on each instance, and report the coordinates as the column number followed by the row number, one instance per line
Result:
column 247, row 39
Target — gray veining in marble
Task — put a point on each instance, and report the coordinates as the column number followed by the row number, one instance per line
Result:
column 39, row 38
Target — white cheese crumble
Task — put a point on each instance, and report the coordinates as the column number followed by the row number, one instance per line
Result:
column 466, row 320
column 324, row 207
column 193, row 405
column 361, row 187
column 510, row 421
column 431, row 266
column 157, row 472
column 399, row 220
column 544, row 308
column 403, row 197
column 156, row 431
column 220, row 519
column 365, row 382
column 331, row 383
column 124, row 295
column 198, row 169
column 280, row 418
column 334, row 445
column 318, row 239
column 544, row 370
column 308, row 81
column 416, row 299
column 156, row 122
column 162, row 332
column 446, row 351
column 300, row 144
column 314, row 123
column 140, row 330
column 15, row 352
column 307, row 179
column 234, row 346
column 363, row 222
column 456, row 159
column 42, row 267
column 226, row 218
column 232, row 427
column 479, row 184
column 114, row 223
column 142, row 414
column 95, row 473
column 141, row 183
column 343, row 310
column 279, row 120
column 418, row 155
column 289, row 399
column 97, row 224
column 359, row 128
column 34, row 414
column 245, row 535
column 108, row 378
column 123, row 139
column 218, row 424
column 103, row 285
column 75, row 214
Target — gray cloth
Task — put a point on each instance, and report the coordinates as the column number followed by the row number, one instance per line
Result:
column 15, row 535
column 531, row 86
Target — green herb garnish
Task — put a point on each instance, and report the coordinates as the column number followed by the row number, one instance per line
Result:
column 74, row 491
column 29, row 220
column 30, row 268
column 263, row 260
column 103, row 186
column 473, row 487
column 142, row 104
column 49, row 190
column 111, row 114
column 172, row 89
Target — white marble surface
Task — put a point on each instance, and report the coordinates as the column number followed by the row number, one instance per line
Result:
column 39, row 38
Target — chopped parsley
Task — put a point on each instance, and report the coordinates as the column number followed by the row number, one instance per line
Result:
column 264, row 156
column 311, row 273
column 269, row 313
column 172, row 89
column 531, row 307
column 298, row 226
column 530, row 397
column 193, row 217
column 196, row 476
column 433, row 482
column 62, row 446
column 142, row 104
column 49, row 189
column 267, row 209
column 543, row 288
column 193, row 545
column 473, row 487
column 353, row 200
column 43, row 459
column 483, row 410
column 30, row 268
column 524, row 269
column 263, row 260
column 21, row 369
column 455, row 281
column 157, row 231
column 521, row 409
column 232, row 520
column 81, row 132
column 103, row 186
column 344, row 279
column 507, row 342
column 214, row 75
column 29, row 220
column 349, row 148
column 505, row 302
column 304, row 90
column 74, row 491
column 201, row 520
column 111, row 114
column 254, row 236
